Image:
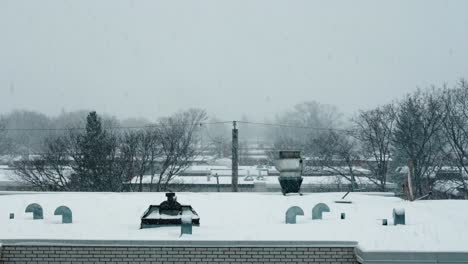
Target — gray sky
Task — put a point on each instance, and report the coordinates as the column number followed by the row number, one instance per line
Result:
column 151, row 58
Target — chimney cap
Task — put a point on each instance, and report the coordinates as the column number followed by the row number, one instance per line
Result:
column 170, row 195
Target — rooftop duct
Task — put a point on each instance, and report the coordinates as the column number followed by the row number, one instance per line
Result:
column 36, row 209
column 66, row 213
column 318, row 210
column 291, row 214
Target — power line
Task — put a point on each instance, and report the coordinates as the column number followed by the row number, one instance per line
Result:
column 116, row 127
column 296, row 126
column 211, row 138
column 200, row 124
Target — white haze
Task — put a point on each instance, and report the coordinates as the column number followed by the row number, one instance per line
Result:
column 233, row 58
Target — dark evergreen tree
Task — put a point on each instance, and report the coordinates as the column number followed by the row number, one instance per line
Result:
column 97, row 167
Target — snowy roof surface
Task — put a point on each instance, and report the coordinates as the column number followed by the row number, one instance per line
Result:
column 430, row 225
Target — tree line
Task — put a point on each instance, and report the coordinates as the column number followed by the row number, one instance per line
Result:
column 406, row 141
column 100, row 158
column 23, row 132
column 418, row 134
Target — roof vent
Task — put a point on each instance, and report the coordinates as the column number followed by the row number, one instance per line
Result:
column 168, row 213
column 186, row 227
column 292, row 213
column 290, row 168
column 318, row 210
column 66, row 213
column 398, row 216
column 36, row 209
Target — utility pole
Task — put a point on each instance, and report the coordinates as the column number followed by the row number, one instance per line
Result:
column 217, row 181
column 410, row 194
column 235, row 158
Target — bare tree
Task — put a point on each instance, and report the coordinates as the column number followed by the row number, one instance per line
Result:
column 5, row 142
column 139, row 152
column 417, row 136
column 456, row 129
column 338, row 152
column 99, row 159
column 218, row 138
column 297, row 126
column 375, row 131
column 177, row 138
column 221, row 145
column 49, row 171
column 129, row 155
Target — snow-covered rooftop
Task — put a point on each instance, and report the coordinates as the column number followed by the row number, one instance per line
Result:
column 430, row 225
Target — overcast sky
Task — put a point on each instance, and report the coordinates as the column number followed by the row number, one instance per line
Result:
column 233, row 58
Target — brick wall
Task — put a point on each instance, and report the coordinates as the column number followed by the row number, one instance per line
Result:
column 128, row 254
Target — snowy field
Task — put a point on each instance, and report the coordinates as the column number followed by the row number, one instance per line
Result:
column 431, row 225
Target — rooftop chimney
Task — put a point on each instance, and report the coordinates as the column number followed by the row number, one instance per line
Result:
column 290, row 167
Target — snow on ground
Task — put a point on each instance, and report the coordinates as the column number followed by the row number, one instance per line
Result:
column 431, row 225
column 7, row 174
column 451, row 187
column 273, row 180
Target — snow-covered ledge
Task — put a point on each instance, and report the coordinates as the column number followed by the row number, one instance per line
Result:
column 175, row 243
column 378, row 257
column 175, row 251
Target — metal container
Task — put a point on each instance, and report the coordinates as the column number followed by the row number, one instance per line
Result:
column 290, row 167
